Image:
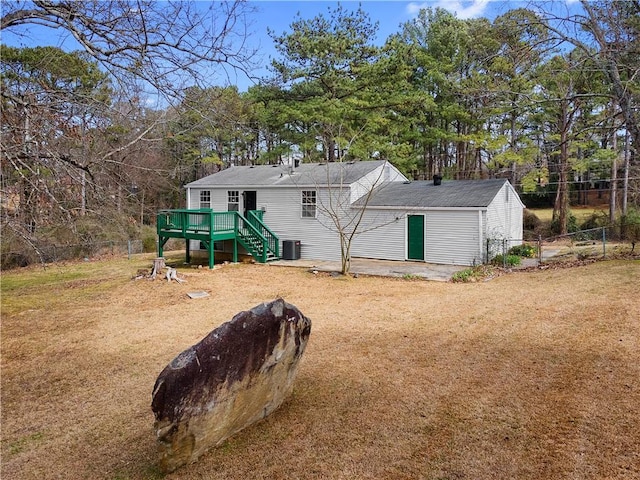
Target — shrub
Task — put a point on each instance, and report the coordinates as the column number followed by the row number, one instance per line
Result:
column 595, row 220
column 148, row 236
column 525, row 250
column 509, row 260
column 572, row 224
column 530, row 220
column 12, row 251
column 472, row 274
column 410, row 276
column 463, row 275
column 630, row 226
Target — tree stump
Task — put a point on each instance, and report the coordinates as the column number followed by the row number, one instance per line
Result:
column 172, row 274
column 158, row 266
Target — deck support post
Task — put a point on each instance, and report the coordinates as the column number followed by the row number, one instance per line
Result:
column 188, row 251
column 211, row 258
column 161, row 243
column 235, row 250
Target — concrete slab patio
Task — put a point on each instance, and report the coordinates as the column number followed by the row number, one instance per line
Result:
column 382, row 268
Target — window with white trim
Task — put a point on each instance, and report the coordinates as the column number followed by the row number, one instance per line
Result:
column 233, row 200
column 205, row 199
column 309, row 203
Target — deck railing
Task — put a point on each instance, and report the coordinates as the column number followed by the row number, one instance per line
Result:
column 204, row 223
column 202, row 220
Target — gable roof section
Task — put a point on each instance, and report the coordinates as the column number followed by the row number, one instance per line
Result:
column 307, row 174
column 424, row 194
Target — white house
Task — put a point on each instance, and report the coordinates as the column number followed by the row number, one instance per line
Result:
column 448, row 223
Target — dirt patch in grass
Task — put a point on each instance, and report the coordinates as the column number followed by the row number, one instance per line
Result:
column 531, row 375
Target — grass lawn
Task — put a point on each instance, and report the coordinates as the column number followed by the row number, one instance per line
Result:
column 581, row 213
column 533, row 375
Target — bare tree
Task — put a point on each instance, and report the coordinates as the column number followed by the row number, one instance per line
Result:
column 346, row 219
column 78, row 140
column 343, row 207
column 166, row 44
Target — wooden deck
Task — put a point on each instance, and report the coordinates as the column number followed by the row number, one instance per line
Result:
column 208, row 227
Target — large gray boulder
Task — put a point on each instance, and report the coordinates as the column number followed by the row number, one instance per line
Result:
column 238, row 374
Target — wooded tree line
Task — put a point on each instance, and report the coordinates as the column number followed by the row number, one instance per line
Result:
column 548, row 101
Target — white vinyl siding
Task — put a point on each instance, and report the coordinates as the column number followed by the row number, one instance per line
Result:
column 383, row 235
column 504, row 220
column 366, row 183
column 384, row 173
column 318, row 242
column 453, row 237
column 218, row 199
column 282, row 216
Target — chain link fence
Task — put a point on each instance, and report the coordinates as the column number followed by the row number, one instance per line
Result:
column 592, row 242
column 57, row 253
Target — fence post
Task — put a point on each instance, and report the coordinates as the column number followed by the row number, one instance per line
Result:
column 604, row 243
column 504, row 253
column 539, row 249
column 487, row 251
column 129, row 249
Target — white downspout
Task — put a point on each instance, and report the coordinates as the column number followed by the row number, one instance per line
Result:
column 481, row 236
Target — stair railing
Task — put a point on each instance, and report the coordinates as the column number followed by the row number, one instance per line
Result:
column 255, row 218
column 253, row 240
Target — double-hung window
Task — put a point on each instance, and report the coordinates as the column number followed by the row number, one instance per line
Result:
column 309, row 204
column 233, row 200
column 205, row 199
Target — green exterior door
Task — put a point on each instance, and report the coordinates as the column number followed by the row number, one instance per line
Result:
column 415, row 237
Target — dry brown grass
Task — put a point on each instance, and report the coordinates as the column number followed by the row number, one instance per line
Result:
column 532, row 375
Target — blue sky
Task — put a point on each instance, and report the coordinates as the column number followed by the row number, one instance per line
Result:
column 390, row 15
column 278, row 15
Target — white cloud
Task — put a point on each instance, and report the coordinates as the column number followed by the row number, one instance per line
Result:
column 413, row 8
column 462, row 8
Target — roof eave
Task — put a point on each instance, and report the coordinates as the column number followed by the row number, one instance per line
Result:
column 413, row 208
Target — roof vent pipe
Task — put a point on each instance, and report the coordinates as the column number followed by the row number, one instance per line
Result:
column 437, row 179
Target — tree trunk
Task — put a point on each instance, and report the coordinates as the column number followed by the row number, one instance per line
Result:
column 514, row 166
column 345, row 254
column 614, row 181
column 627, row 160
column 331, row 150
column 83, row 193
column 561, row 205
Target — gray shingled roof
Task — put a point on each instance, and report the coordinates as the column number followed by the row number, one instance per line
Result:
column 307, row 174
column 424, row 194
